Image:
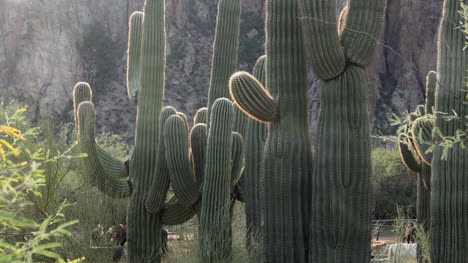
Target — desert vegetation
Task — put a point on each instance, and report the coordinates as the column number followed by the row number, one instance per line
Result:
column 243, row 180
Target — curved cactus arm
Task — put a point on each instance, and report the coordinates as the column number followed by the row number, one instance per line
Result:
column 252, row 98
column 134, row 50
column 421, row 131
column 198, row 141
column 237, row 162
column 326, row 55
column 225, row 50
column 200, row 116
column 93, row 167
column 407, row 155
column 161, row 179
column 114, row 167
column 363, row 27
column 177, row 158
column 431, row 84
column 174, row 213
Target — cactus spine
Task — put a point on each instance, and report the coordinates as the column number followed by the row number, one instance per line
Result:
column 449, row 201
column 285, row 169
column 339, row 53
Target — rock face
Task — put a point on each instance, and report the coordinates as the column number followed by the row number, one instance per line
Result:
column 40, row 58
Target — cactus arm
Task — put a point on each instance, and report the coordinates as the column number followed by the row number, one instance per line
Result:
column 421, row 131
column 363, row 27
column 81, row 92
column 174, row 213
column 237, row 156
column 157, row 194
column 407, row 156
column 252, row 98
column 177, row 157
column 134, row 50
column 431, row 83
column 215, row 213
column 114, row 167
column 200, row 116
column 198, row 141
column 106, row 183
column 325, row 53
column 225, row 50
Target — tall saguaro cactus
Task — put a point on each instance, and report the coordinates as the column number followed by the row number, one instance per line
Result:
column 449, row 201
column 285, row 169
column 339, row 52
column 146, row 86
column 161, row 157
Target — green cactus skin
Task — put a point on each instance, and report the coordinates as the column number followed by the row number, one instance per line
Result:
column 198, row 139
column 449, row 201
column 160, row 185
column 200, row 116
column 134, row 53
column 339, row 55
column 286, row 165
column 252, row 98
column 215, row 214
column 410, row 159
column 225, row 50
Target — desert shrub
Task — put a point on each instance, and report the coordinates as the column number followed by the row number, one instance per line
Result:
column 25, row 237
column 391, row 184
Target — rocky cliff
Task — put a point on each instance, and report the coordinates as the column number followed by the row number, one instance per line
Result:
column 42, row 44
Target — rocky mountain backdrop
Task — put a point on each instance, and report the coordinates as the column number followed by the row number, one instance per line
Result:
column 48, row 45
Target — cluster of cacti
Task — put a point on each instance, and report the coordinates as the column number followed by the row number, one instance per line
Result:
column 207, row 161
column 339, row 51
column 449, row 187
column 338, row 229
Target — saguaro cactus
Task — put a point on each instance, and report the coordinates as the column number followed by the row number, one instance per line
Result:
column 255, row 137
column 413, row 143
column 449, row 201
column 339, row 52
column 285, row 169
column 146, row 82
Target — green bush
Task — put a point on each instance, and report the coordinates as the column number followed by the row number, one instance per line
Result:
column 25, row 236
column 391, row 184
